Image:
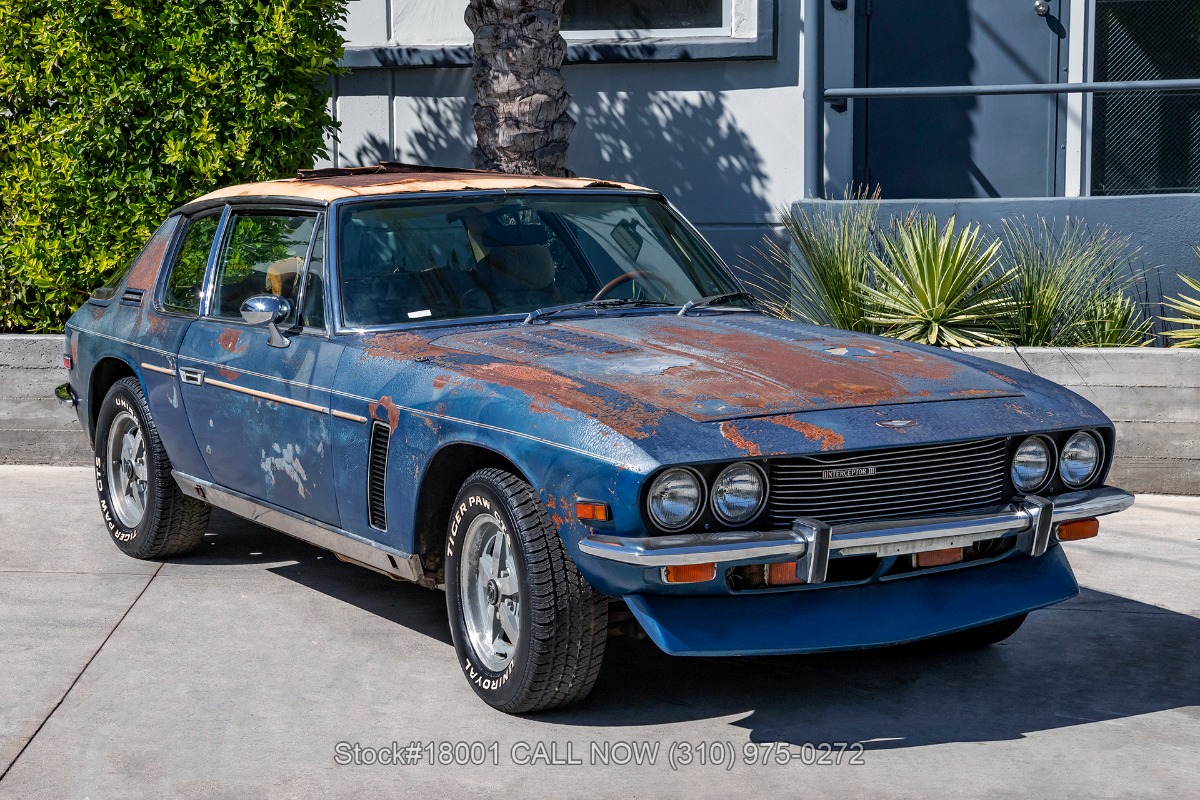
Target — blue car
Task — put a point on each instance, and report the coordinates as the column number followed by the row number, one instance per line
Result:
column 550, row 398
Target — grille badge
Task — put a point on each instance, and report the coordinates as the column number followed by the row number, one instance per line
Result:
column 850, row 472
column 896, row 423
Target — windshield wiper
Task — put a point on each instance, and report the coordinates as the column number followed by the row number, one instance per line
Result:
column 713, row 299
column 615, row 302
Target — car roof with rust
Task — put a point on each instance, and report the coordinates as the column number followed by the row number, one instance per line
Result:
column 327, row 185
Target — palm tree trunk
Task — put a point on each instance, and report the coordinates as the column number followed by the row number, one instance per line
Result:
column 521, row 118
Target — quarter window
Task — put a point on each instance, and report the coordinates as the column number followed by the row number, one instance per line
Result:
column 263, row 254
column 186, row 281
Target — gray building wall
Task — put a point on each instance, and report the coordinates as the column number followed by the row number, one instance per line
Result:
column 721, row 139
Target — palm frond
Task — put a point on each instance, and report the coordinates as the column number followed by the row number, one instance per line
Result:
column 938, row 287
column 823, row 267
column 1189, row 308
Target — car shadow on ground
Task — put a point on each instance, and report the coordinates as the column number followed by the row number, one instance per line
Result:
column 1098, row 657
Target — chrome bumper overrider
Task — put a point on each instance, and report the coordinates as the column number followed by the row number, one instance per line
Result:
column 811, row 542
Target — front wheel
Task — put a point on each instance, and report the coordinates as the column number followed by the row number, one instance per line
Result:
column 528, row 629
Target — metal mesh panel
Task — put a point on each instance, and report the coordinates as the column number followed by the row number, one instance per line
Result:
column 1146, row 142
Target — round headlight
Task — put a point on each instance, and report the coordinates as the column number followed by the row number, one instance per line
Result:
column 1079, row 460
column 738, row 493
column 1031, row 464
column 676, row 497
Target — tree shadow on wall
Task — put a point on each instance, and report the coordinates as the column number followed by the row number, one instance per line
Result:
column 689, row 147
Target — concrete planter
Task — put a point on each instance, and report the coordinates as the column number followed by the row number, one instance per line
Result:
column 34, row 429
column 1153, row 395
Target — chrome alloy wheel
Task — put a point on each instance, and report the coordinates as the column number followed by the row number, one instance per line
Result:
column 127, row 469
column 490, row 594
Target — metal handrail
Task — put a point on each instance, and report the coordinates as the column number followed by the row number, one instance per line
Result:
column 1089, row 87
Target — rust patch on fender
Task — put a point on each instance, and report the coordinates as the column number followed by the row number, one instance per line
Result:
column 230, row 339
column 158, row 324
column 1001, row 377
column 731, row 434
column 390, row 409
column 229, row 374
column 829, row 440
column 440, row 381
column 972, row 393
column 407, row 346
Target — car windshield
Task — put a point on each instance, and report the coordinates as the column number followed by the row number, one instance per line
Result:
column 419, row 260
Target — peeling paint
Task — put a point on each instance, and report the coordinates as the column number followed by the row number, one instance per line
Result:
column 287, row 461
column 228, row 374
column 829, row 440
column 230, row 340
column 731, row 434
column 390, row 409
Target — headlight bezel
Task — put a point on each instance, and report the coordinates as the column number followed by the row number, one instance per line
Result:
column 701, row 503
column 1051, row 464
column 762, row 500
column 1098, row 440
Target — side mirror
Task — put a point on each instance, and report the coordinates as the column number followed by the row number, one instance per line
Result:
column 269, row 310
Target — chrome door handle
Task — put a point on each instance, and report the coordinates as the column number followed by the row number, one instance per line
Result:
column 191, row 375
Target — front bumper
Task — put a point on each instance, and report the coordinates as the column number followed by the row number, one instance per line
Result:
column 811, row 542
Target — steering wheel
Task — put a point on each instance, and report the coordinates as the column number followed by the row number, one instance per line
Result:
column 626, row 277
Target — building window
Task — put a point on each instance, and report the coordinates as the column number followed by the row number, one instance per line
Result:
column 611, row 18
column 1146, row 142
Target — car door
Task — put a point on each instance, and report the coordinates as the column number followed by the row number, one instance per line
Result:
column 260, row 411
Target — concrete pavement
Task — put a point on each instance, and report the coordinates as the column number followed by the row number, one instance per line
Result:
column 235, row 672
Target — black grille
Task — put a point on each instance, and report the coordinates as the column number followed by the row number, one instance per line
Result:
column 903, row 482
column 377, row 475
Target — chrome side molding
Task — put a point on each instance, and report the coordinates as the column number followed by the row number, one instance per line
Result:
column 344, row 544
column 811, row 542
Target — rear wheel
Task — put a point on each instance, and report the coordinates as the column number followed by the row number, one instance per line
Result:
column 146, row 513
column 528, row 628
column 983, row 636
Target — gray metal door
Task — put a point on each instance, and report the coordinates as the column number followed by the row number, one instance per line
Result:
column 995, row 146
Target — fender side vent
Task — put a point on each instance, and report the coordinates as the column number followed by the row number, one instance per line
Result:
column 132, row 297
column 377, row 458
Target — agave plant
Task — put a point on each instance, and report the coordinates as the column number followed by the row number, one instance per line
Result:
column 939, row 287
column 1069, row 289
column 824, row 264
column 1189, row 308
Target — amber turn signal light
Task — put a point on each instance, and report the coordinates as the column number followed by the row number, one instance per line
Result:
column 594, row 512
column 782, row 574
column 1078, row 529
column 690, row 573
column 938, row 558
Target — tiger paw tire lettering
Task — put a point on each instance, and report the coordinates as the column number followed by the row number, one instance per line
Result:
column 528, row 628
column 145, row 512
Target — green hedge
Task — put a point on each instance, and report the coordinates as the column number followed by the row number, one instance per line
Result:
column 112, row 114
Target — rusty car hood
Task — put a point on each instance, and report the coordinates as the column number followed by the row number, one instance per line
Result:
column 715, row 367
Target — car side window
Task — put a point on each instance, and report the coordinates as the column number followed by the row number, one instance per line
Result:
column 312, row 315
column 186, row 281
column 262, row 254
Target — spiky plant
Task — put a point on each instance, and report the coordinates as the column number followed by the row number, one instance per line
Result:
column 939, row 287
column 823, row 267
column 1069, row 288
column 1189, row 309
